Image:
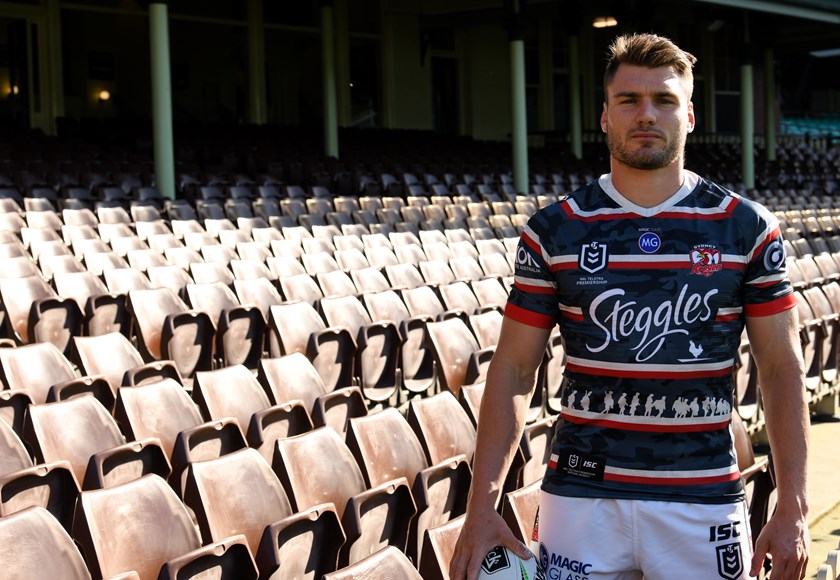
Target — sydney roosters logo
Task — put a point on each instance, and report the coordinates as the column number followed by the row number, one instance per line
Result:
column 705, row 260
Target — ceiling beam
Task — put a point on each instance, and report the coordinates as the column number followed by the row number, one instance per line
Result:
column 831, row 17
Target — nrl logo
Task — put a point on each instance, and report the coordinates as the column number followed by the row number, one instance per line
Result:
column 729, row 561
column 593, row 258
column 705, row 260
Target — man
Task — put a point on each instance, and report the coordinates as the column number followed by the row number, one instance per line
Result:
column 651, row 273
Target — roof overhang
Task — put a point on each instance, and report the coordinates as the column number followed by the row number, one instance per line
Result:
column 796, row 10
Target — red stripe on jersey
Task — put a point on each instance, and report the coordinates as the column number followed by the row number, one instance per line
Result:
column 672, row 480
column 642, row 374
column 563, row 266
column 535, row 289
column 647, row 427
column 528, row 317
column 726, row 317
column 577, row 317
column 648, row 265
column 531, row 243
column 769, row 308
column 776, row 233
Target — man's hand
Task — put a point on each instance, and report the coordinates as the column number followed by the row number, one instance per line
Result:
column 481, row 533
column 785, row 540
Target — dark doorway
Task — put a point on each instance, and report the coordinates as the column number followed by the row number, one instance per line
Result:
column 14, row 73
column 445, row 95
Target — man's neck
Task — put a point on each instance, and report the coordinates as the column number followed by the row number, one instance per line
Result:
column 646, row 187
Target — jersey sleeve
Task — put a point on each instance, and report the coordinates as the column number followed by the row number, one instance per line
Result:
column 767, row 288
column 533, row 297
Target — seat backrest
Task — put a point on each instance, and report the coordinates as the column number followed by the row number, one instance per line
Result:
column 150, row 308
column 13, row 453
column 159, row 409
column 109, row 355
column 212, row 298
column 33, row 545
column 294, row 322
column 486, row 327
column 18, row 294
column 386, row 564
column 300, row 287
column 316, row 468
column 442, row 426
column 345, row 311
column 260, row 293
column 385, row 447
column 231, row 391
column 72, row 430
column 422, row 301
column 79, row 286
column 291, row 377
column 385, row 305
column 139, row 526
column 369, row 280
column 452, row 344
column 458, row 296
column 237, row 493
column 34, row 368
column 439, row 548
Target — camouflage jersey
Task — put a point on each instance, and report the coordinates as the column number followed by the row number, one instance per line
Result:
column 651, row 304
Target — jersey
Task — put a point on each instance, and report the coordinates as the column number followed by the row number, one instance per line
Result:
column 651, row 304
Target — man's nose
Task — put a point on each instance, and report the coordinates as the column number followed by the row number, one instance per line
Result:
column 646, row 115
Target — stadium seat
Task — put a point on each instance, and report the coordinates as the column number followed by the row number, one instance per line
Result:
column 460, row 360
column 292, row 378
column 104, row 311
column 36, row 314
column 71, row 430
column 297, row 327
column 236, row 493
column 168, row 330
column 377, row 347
column 137, row 526
column 33, row 545
column 387, row 563
column 439, row 549
column 227, row 559
column 519, row 509
column 158, row 409
column 317, row 468
column 34, row 368
column 230, row 391
column 416, row 362
column 386, row 448
column 239, row 329
column 442, row 427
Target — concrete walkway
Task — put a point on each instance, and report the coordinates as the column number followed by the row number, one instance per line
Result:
column 824, row 491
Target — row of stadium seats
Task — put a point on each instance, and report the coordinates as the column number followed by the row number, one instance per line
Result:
column 191, row 428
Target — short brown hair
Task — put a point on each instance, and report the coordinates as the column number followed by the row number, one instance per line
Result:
column 651, row 51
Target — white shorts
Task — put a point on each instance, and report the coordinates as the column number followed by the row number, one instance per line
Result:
column 589, row 539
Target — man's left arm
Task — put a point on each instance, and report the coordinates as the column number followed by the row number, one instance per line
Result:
column 775, row 346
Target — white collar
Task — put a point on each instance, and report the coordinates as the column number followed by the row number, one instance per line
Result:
column 690, row 181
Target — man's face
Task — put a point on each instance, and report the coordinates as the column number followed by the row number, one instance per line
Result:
column 646, row 117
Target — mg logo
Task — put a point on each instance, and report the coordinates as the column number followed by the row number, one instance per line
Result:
column 593, row 258
column 649, row 243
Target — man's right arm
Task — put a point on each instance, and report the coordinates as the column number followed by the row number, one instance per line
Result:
column 507, row 393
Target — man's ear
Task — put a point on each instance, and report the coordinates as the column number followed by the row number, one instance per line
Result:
column 604, row 118
column 691, row 119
